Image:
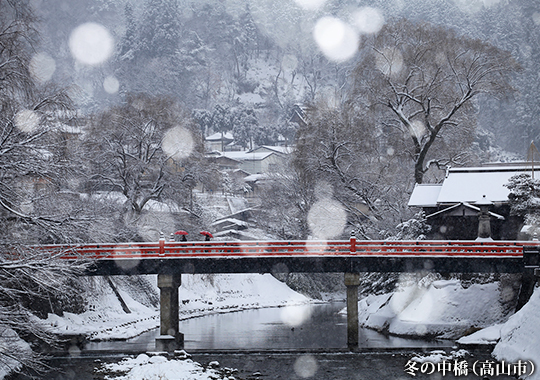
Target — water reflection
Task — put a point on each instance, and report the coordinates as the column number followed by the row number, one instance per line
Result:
column 265, row 329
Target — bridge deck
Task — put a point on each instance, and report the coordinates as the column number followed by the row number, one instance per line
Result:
column 299, row 256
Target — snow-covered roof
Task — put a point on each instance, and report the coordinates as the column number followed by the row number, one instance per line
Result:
column 469, row 185
column 278, row 149
column 231, row 221
column 61, row 127
column 241, row 172
column 247, row 156
column 256, row 177
column 223, row 157
column 227, row 136
column 472, row 185
column 425, row 195
column 456, row 209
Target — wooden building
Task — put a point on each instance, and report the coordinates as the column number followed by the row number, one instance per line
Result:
column 454, row 206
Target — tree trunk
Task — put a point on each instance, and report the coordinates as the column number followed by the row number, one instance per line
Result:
column 419, row 171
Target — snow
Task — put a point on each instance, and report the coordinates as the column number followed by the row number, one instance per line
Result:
column 445, row 309
column 119, row 198
column 438, row 356
column 199, row 294
column 489, row 335
column 219, row 136
column 11, row 343
column 482, row 183
column 520, row 336
column 488, row 182
column 160, row 368
column 247, row 155
column 515, row 340
column 425, row 195
column 250, row 97
column 278, row 149
column 441, row 308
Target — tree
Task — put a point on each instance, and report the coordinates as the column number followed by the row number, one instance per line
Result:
column 421, row 81
column 288, row 196
column 29, row 280
column 524, row 199
column 415, row 228
column 369, row 179
column 220, row 119
column 159, row 34
column 33, row 163
column 33, row 152
column 244, row 126
column 147, row 149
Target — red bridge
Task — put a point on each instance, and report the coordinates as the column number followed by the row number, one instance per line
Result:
column 354, row 256
column 169, row 259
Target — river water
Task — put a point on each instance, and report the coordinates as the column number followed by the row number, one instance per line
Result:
column 268, row 342
column 308, row 327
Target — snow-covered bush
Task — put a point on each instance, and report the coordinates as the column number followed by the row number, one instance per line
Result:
column 524, row 200
column 415, row 228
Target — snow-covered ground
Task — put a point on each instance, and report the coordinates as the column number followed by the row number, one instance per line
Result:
column 199, row 294
column 161, row 368
column 447, row 309
column 517, row 339
column 441, row 308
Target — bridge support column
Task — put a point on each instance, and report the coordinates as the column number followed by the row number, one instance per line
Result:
column 352, row 281
column 170, row 338
column 531, row 274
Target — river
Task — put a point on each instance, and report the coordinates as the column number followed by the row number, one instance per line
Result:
column 314, row 326
column 269, row 342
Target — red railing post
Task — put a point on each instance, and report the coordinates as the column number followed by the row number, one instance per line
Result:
column 353, row 244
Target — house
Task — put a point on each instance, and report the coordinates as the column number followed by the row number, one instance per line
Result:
column 274, row 149
column 298, row 115
column 471, row 200
column 251, row 162
column 218, row 141
column 223, row 162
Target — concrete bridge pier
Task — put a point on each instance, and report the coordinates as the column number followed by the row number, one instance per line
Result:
column 352, row 281
column 530, row 275
column 170, row 338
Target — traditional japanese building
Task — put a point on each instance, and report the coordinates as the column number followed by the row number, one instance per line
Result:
column 454, row 207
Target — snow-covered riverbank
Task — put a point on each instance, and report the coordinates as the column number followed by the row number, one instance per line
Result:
column 427, row 308
column 200, row 295
column 445, row 308
column 439, row 308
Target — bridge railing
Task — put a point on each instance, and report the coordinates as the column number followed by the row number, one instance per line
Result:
column 171, row 249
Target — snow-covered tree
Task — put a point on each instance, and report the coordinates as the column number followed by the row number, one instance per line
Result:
column 422, row 81
column 415, row 228
column 524, row 199
column 34, row 175
column 159, row 33
column 370, row 179
column 245, row 124
column 146, row 149
column 286, row 198
column 31, row 281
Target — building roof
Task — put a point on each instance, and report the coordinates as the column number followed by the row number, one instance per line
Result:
column 469, row 185
column 225, row 158
column 425, row 195
column 278, row 149
column 461, row 210
column 227, row 136
column 247, row 156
